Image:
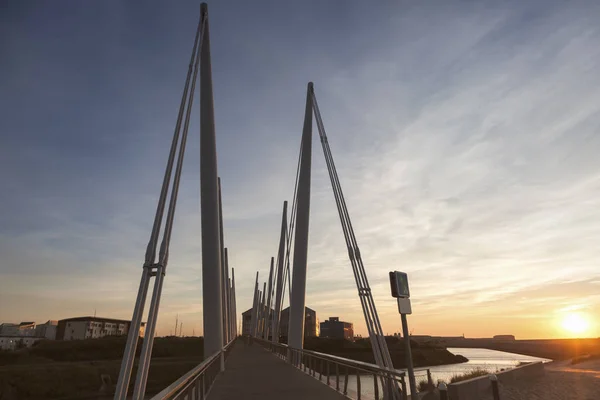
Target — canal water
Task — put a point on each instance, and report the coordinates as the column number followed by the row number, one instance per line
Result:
column 490, row 360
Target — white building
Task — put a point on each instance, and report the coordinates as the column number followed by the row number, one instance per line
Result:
column 80, row 328
column 8, row 329
column 22, row 329
column 47, row 330
column 16, row 342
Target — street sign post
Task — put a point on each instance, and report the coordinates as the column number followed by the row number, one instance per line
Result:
column 401, row 291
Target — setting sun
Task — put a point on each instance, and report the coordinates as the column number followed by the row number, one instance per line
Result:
column 575, row 323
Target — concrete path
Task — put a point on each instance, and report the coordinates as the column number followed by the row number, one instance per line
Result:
column 561, row 381
column 252, row 372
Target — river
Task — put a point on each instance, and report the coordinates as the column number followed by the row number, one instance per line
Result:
column 490, row 360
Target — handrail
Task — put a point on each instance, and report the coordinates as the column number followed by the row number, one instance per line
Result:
column 368, row 367
column 318, row 364
column 356, row 364
column 185, row 381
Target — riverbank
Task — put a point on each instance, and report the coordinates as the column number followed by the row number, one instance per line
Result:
column 554, row 349
column 360, row 350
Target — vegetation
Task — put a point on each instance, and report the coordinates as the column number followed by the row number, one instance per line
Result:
column 107, row 348
column 584, row 358
column 72, row 369
column 423, row 385
column 360, row 350
column 475, row 373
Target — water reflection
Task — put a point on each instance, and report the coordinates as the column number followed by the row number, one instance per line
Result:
column 490, row 360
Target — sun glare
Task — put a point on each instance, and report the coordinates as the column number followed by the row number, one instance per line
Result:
column 575, row 323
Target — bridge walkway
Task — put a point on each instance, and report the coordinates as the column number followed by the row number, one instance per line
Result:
column 252, row 372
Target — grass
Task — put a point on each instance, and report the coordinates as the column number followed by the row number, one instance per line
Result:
column 72, row 369
column 475, row 373
column 106, row 348
column 423, row 385
column 584, row 358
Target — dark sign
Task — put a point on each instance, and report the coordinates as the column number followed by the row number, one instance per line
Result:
column 399, row 284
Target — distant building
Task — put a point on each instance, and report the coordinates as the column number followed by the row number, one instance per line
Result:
column 16, row 342
column 46, row 330
column 311, row 323
column 505, row 338
column 336, row 329
column 247, row 321
column 22, row 329
column 8, row 329
column 80, row 328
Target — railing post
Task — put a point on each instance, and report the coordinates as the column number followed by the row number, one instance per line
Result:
column 358, row 384
column 346, row 381
column 337, row 377
column 199, row 389
column 327, row 362
column 495, row 388
column 429, row 379
column 222, row 360
column 375, row 387
column 443, row 391
column 320, row 369
column 390, row 387
column 404, row 391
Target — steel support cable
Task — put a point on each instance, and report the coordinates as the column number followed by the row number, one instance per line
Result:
column 129, row 353
column 164, row 248
column 141, row 380
column 289, row 235
column 345, row 228
column 151, row 249
column 378, row 352
column 353, row 250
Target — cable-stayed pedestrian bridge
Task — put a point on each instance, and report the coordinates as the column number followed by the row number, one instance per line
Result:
column 258, row 365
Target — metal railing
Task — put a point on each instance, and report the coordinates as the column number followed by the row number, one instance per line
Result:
column 336, row 372
column 196, row 383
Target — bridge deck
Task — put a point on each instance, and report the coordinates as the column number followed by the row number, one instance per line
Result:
column 251, row 372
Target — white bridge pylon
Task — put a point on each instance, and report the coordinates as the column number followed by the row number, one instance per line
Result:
column 218, row 295
column 300, row 221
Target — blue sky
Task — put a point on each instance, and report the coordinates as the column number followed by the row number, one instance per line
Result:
column 466, row 136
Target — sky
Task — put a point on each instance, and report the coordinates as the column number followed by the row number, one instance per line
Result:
column 466, row 137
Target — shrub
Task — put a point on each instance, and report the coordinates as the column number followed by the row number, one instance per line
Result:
column 423, row 385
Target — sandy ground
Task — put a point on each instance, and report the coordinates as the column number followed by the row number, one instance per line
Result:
column 561, row 381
